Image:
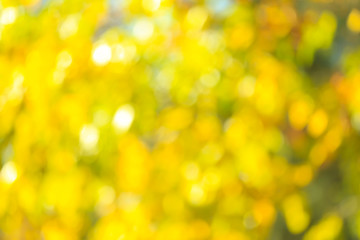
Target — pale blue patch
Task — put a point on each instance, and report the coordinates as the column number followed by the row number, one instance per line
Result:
column 219, row 7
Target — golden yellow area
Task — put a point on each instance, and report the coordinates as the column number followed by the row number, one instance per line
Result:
column 318, row 123
column 297, row 218
column 327, row 228
column 303, row 175
column 241, row 36
column 299, row 113
column 353, row 21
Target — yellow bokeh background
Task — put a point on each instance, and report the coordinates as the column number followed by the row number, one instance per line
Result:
column 179, row 119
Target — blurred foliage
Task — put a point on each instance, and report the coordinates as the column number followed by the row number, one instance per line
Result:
column 179, row 119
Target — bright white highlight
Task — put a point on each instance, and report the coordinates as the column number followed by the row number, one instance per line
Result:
column 9, row 173
column 123, row 118
column 89, row 137
column 8, row 15
column 143, row 30
column 101, row 54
